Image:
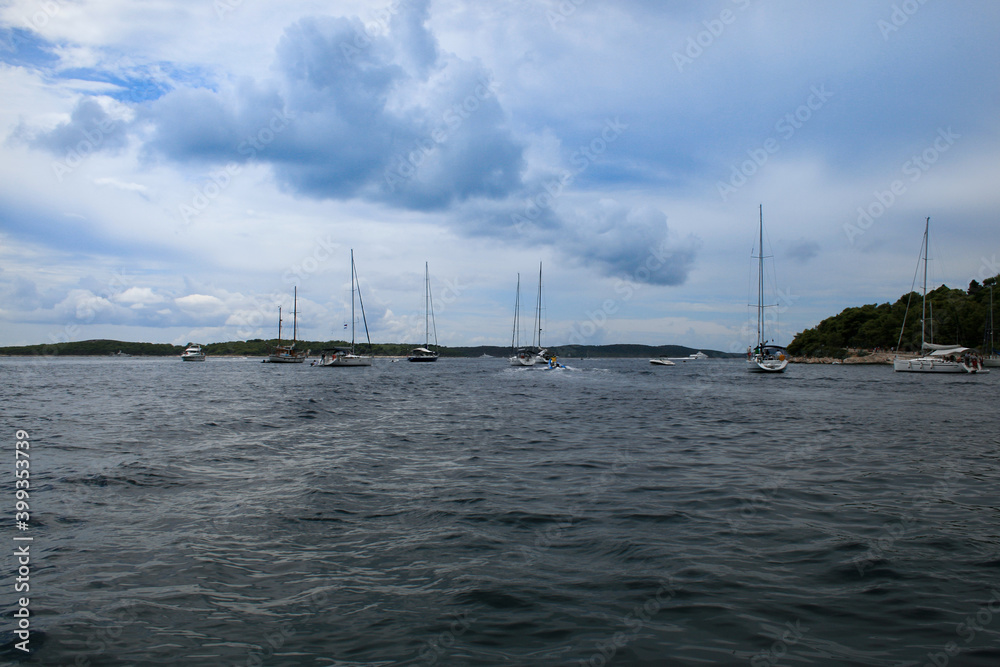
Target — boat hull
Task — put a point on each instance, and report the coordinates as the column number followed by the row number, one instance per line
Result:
column 766, row 365
column 347, row 361
column 662, row 362
column 420, row 359
column 281, row 359
column 193, row 357
column 993, row 362
column 930, row 365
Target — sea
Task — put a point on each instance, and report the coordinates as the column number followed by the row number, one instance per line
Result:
column 465, row 512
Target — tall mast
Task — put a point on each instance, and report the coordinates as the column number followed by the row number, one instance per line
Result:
column 538, row 306
column 515, row 341
column 295, row 314
column 760, row 281
column 923, row 316
column 352, row 300
column 427, row 305
column 279, row 325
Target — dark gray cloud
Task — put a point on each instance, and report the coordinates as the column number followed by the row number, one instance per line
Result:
column 90, row 129
column 632, row 243
column 355, row 111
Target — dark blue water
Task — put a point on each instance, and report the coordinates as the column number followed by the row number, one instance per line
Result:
column 466, row 513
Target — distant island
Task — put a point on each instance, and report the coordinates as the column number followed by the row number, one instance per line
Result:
column 870, row 333
column 260, row 348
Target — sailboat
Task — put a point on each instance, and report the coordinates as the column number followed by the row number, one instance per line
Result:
column 341, row 356
column 764, row 357
column 425, row 353
column 287, row 354
column 528, row 355
column 992, row 359
column 935, row 358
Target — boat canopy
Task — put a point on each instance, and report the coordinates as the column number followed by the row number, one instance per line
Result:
column 944, row 350
column 421, row 350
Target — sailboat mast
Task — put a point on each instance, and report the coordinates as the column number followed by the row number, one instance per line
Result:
column 515, row 341
column 279, row 325
column 923, row 315
column 352, row 300
column 991, row 321
column 538, row 306
column 760, row 281
column 295, row 314
column 427, row 305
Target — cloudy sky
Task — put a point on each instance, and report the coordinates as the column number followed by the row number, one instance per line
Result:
column 171, row 170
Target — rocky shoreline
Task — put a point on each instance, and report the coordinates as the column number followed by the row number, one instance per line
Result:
column 871, row 358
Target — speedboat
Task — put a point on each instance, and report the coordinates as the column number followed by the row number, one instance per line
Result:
column 193, row 352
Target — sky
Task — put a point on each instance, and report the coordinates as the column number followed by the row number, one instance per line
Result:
column 172, row 171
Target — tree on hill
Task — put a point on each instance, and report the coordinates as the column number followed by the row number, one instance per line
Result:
column 953, row 316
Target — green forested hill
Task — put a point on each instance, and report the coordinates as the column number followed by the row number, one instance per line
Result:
column 958, row 317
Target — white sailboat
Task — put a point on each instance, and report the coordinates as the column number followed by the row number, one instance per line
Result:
column 992, row 359
column 287, row 354
column 425, row 353
column 193, row 352
column 934, row 358
column 765, row 357
column 341, row 356
column 528, row 355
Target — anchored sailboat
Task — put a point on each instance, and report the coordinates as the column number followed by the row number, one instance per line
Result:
column 764, row 357
column 342, row 356
column 287, row 354
column 992, row 359
column 528, row 355
column 936, row 358
column 425, row 353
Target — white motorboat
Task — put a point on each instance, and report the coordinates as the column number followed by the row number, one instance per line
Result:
column 287, row 354
column 934, row 358
column 193, row 352
column 662, row 361
column 697, row 356
column 765, row 357
column 342, row 356
column 425, row 353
